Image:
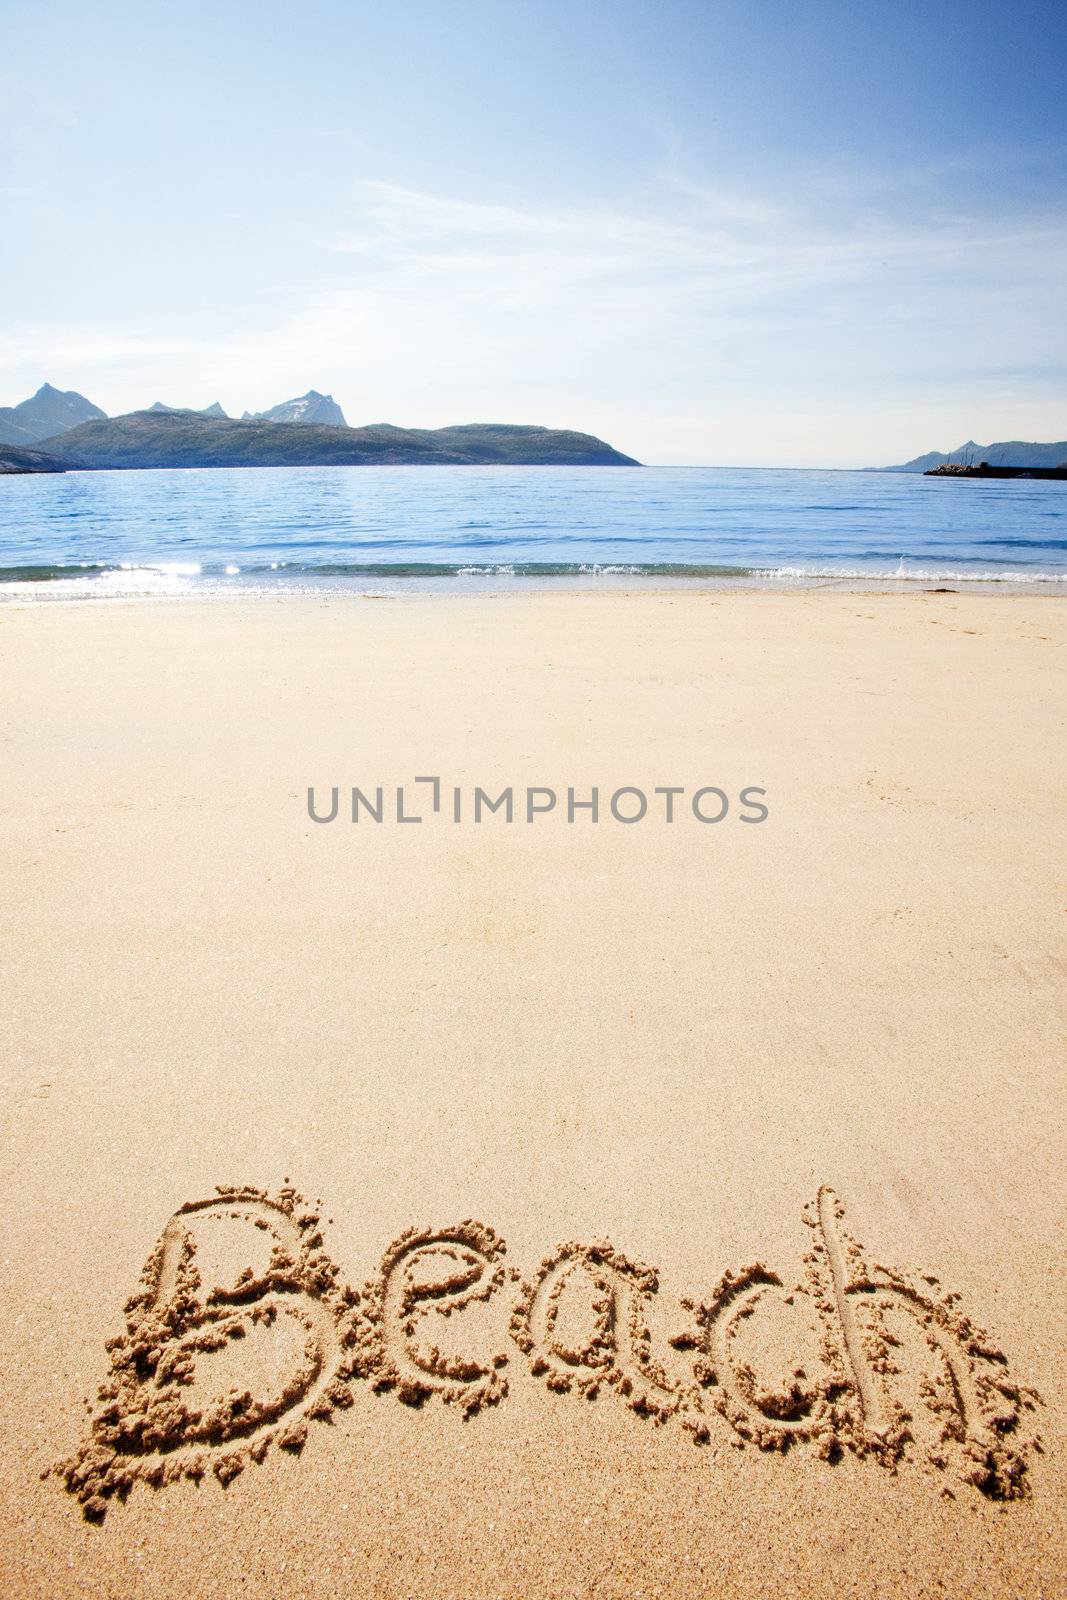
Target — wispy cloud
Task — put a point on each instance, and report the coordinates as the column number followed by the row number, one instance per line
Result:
column 687, row 313
column 692, row 251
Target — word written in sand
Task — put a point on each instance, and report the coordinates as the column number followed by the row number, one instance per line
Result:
column 626, row 804
column 242, row 1334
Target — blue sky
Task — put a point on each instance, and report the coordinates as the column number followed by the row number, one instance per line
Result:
column 798, row 234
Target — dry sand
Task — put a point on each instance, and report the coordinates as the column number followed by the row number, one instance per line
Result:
column 805, row 1075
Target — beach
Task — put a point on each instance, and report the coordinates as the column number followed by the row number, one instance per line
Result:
column 732, row 1149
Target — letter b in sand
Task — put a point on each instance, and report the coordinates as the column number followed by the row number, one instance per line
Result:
column 236, row 1336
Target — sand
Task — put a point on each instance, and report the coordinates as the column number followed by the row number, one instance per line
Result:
column 541, row 1208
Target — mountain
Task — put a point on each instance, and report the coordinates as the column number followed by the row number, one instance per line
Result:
column 213, row 410
column 189, row 439
column 1009, row 453
column 14, row 459
column 48, row 412
column 311, row 410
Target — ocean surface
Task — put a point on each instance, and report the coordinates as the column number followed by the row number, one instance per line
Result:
column 215, row 530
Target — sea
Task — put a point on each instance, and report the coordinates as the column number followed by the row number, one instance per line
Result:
column 86, row 535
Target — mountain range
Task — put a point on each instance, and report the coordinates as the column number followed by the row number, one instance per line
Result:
column 308, row 431
column 311, row 430
column 1008, row 453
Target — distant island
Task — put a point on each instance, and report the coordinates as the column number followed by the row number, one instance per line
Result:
column 58, row 430
column 985, row 470
column 1008, row 453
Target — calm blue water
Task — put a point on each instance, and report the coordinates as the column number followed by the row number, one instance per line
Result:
column 127, row 532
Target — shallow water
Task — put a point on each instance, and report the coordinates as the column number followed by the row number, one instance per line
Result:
column 209, row 529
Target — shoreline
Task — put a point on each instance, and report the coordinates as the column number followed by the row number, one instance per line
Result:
column 152, row 582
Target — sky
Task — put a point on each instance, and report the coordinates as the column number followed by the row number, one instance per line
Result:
column 806, row 234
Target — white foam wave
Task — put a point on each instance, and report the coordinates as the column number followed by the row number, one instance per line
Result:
column 128, row 581
column 906, row 574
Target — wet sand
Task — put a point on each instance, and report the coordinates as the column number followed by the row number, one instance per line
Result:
column 606, row 1208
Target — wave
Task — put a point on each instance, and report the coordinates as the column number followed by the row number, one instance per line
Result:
column 901, row 574
column 131, row 579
